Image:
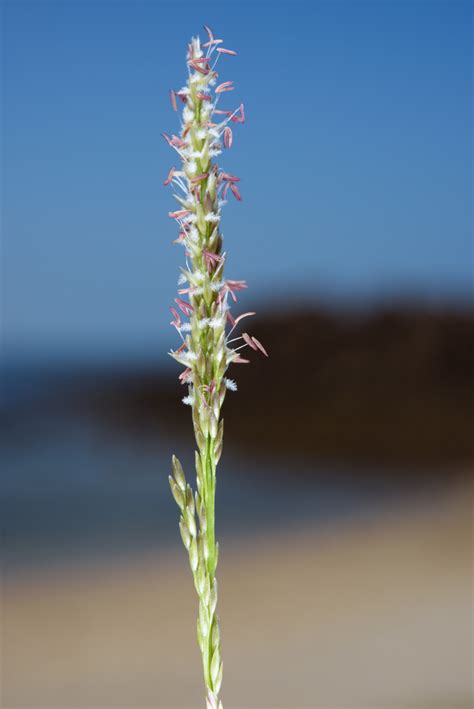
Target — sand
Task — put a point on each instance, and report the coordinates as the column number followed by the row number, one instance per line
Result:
column 372, row 614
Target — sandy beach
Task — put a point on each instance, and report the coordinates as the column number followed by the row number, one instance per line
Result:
column 374, row 614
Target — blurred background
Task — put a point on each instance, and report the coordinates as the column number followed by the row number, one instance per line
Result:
column 345, row 489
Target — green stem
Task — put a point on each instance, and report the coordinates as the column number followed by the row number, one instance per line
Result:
column 210, row 507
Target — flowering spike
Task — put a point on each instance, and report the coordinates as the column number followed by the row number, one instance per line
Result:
column 205, row 350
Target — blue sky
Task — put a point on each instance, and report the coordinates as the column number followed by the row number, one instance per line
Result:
column 355, row 159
